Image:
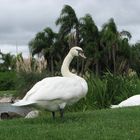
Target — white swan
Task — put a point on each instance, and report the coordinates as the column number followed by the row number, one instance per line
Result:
column 131, row 101
column 54, row 93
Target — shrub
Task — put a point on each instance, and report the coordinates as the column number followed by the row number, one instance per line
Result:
column 112, row 89
column 7, row 80
column 108, row 90
column 120, row 87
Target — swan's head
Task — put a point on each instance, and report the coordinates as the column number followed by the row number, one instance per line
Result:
column 77, row 51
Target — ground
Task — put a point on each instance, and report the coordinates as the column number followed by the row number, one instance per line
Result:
column 109, row 124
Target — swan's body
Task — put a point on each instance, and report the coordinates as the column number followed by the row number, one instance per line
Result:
column 131, row 101
column 65, row 90
column 54, row 93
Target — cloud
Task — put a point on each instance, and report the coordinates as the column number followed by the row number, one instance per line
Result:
column 22, row 19
column 15, row 49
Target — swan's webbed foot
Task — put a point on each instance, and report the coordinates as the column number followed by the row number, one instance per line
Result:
column 53, row 115
column 62, row 113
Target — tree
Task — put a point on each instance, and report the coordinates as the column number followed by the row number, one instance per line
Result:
column 115, row 46
column 89, row 40
column 68, row 22
column 69, row 25
column 107, row 49
column 109, row 43
column 123, row 57
column 8, row 61
column 135, row 58
column 44, row 45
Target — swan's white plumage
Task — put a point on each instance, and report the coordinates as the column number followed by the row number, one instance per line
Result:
column 55, row 93
column 131, row 101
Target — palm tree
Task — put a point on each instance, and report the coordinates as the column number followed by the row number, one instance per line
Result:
column 69, row 25
column 109, row 42
column 37, row 44
column 135, row 57
column 115, row 46
column 8, row 61
column 124, row 52
column 89, row 40
column 43, row 44
column 68, row 21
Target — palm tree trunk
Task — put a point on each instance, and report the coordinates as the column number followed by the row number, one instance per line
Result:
column 52, row 66
column 82, row 70
column 114, row 58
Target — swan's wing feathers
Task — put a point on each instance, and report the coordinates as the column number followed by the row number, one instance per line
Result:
column 54, row 88
column 34, row 89
column 23, row 103
column 58, row 88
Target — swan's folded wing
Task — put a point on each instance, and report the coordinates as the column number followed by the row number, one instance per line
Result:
column 57, row 88
column 23, row 103
column 34, row 89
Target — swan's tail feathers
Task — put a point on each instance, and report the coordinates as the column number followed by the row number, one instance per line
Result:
column 114, row 106
column 23, row 103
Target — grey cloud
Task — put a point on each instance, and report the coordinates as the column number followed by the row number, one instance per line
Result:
column 20, row 20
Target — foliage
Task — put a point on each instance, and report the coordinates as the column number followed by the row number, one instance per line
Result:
column 135, row 58
column 108, row 90
column 45, row 44
column 7, row 80
column 68, row 21
column 7, row 62
column 7, row 93
column 115, row 89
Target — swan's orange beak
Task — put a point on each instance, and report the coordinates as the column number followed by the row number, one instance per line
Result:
column 82, row 55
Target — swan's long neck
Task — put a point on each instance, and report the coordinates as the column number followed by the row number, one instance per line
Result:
column 66, row 72
column 65, row 66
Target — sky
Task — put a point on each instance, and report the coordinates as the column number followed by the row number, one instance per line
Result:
column 20, row 20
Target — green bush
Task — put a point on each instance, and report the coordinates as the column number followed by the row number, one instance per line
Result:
column 120, row 87
column 111, row 89
column 7, row 80
column 108, row 90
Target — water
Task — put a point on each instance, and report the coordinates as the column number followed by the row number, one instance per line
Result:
column 7, row 107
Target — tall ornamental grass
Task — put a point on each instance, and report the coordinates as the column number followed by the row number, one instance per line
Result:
column 107, row 90
column 111, row 89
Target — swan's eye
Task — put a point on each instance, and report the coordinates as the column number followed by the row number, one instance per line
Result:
column 80, row 51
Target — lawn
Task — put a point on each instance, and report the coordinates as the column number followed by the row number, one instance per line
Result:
column 115, row 124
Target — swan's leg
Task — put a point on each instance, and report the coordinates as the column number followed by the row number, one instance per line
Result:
column 61, row 108
column 62, row 113
column 53, row 115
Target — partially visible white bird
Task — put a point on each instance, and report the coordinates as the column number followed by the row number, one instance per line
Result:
column 54, row 93
column 131, row 101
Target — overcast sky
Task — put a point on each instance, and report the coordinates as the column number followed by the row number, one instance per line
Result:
column 20, row 20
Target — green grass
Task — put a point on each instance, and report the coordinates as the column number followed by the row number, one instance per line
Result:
column 115, row 124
